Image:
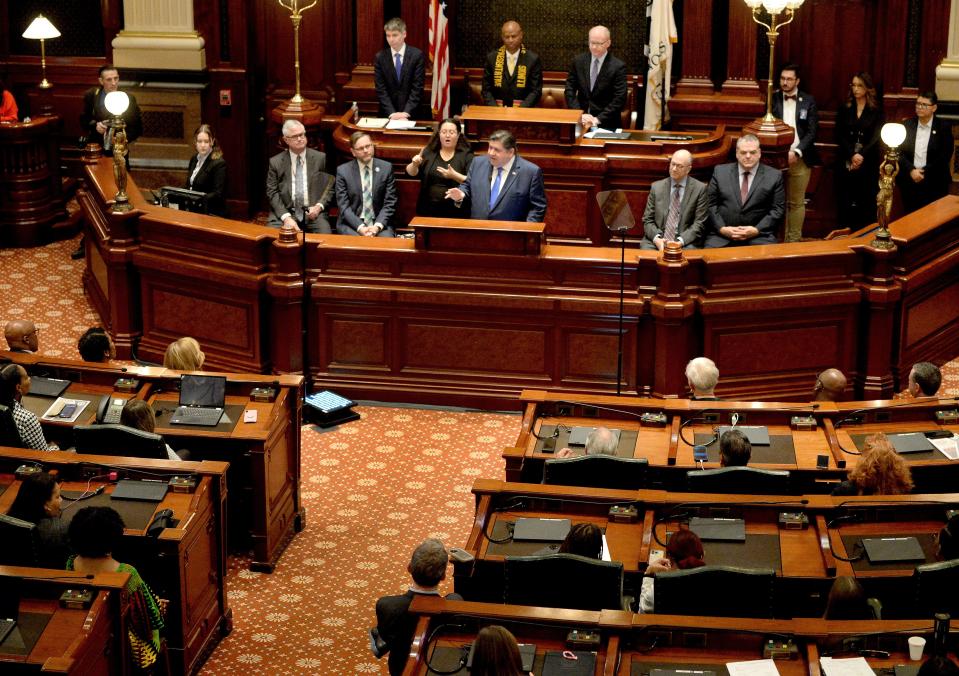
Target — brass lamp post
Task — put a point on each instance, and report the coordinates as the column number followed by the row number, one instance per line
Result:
column 117, row 103
column 41, row 29
column 893, row 134
column 774, row 7
column 296, row 16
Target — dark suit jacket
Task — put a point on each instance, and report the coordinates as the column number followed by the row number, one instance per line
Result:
column 693, row 211
column 211, row 179
column 606, row 101
column 94, row 111
column 349, row 197
column 938, row 173
column 403, row 96
column 527, row 96
column 279, row 188
column 396, row 626
column 521, row 196
column 807, row 122
column 764, row 207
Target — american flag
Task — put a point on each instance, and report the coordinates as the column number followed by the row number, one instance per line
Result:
column 439, row 52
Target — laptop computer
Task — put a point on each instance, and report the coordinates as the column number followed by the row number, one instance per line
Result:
column 527, row 653
column 48, row 387
column 9, row 605
column 911, row 442
column 733, row 530
column 757, row 435
column 202, row 399
column 884, row 550
column 541, row 530
column 131, row 489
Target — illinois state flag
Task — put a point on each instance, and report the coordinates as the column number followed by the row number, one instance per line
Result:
column 662, row 35
column 439, row 53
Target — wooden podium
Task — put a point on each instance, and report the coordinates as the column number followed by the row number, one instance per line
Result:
column 467, row 235
column 544, row 125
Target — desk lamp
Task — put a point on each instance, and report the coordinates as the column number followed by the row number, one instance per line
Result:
column 774, row 8
column 117, row 103
column 41, row 29
column 893, row 134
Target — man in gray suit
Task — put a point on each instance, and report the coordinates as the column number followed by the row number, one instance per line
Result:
column 677, row 207
column 747, row 199
column 296, row 184
column 365, row 191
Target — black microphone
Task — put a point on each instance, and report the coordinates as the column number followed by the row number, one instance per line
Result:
column 940, row 634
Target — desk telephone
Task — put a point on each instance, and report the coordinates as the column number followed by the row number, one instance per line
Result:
column 109, row 410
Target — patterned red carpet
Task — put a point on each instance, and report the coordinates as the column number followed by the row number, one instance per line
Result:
column 373, row 490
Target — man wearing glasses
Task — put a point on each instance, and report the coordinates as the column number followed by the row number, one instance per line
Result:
column 924, row 171
column 298, row 188
column 596, row 83
column 22, row 336
column 677, row 207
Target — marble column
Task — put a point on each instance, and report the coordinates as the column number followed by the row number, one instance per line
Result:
column 947, row 72
column 159, row 34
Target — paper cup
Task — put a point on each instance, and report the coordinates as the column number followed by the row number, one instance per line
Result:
column 916, row 646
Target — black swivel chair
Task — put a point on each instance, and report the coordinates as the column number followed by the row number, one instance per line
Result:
column 9, row 435
column 747, row 480
column 597, row 471
column 719, row 591
column 19, row 540
column 936, row 588
column 119, row 440
column 564, row 581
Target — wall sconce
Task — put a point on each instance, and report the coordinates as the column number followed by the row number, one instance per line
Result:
column 116, row 104
column 41, row 29
column 893, row 134
column 774, row 7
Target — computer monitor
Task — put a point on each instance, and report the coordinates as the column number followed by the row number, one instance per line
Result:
column 183, row 199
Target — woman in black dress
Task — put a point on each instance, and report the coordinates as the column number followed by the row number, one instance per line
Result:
column 441, row 165
column 207, row 170
column 858, row 124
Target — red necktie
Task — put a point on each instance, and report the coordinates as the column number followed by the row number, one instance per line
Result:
column 744, row 190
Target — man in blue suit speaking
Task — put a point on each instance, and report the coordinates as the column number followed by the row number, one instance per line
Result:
column 503, row 186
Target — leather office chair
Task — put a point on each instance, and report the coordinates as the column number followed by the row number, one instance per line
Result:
column 720, row 591
column 119, row 440
column 564, row 581
column 748, row 480
column 19, row 540
column 9, row 435
column 597, row 471
column 936, row 588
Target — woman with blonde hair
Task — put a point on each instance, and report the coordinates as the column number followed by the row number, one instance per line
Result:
column 184, row 355
column 880, row 471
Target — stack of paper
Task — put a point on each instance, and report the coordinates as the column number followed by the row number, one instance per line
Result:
column 752, row 668
column 849, row 666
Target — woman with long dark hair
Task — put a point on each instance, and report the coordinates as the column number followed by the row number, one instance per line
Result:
column 441, row 165
column 38, row 502
column 207, row 170
column 858, row 124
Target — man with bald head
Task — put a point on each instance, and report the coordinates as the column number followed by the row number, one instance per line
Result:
column 596, row 83
column 830, row 386
column 22, row 336
column 513, row 76
column 677, row 207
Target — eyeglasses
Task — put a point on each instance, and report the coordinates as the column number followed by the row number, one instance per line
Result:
column 293, row 137
column 924, row 105
column 676, row 165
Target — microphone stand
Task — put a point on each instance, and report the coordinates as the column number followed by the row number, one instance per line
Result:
column 305, row 308
column 622, row 294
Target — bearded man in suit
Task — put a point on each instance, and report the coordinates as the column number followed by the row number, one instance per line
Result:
column 677, row 207
column 503, row 186
column 747, row 199
column 298, row 188
column 365, row 191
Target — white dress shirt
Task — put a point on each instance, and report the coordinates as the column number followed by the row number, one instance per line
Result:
column 923, row 133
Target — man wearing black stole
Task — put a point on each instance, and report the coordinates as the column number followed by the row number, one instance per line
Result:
column 513, row 75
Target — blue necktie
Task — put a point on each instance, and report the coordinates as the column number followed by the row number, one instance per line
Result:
column 496, row 186
column 399, row 66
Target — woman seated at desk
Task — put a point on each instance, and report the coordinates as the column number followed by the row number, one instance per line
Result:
column 880, row 471
column 184, row 354
column 14, row 383
column 583, row 539
column 94, row 534
column 139, row 415
column 496, row 653
column 8, row 105
column 685, row 550
column 441, row 165
column 207, row 170
column 38, row 502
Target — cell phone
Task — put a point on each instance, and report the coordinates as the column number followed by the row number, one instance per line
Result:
column 822, row 461
column 938, row 434
column 67, row 410
column 700, row 454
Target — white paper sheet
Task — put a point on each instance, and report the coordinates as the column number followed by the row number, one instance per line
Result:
column 753, row 668
column 849, row 666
